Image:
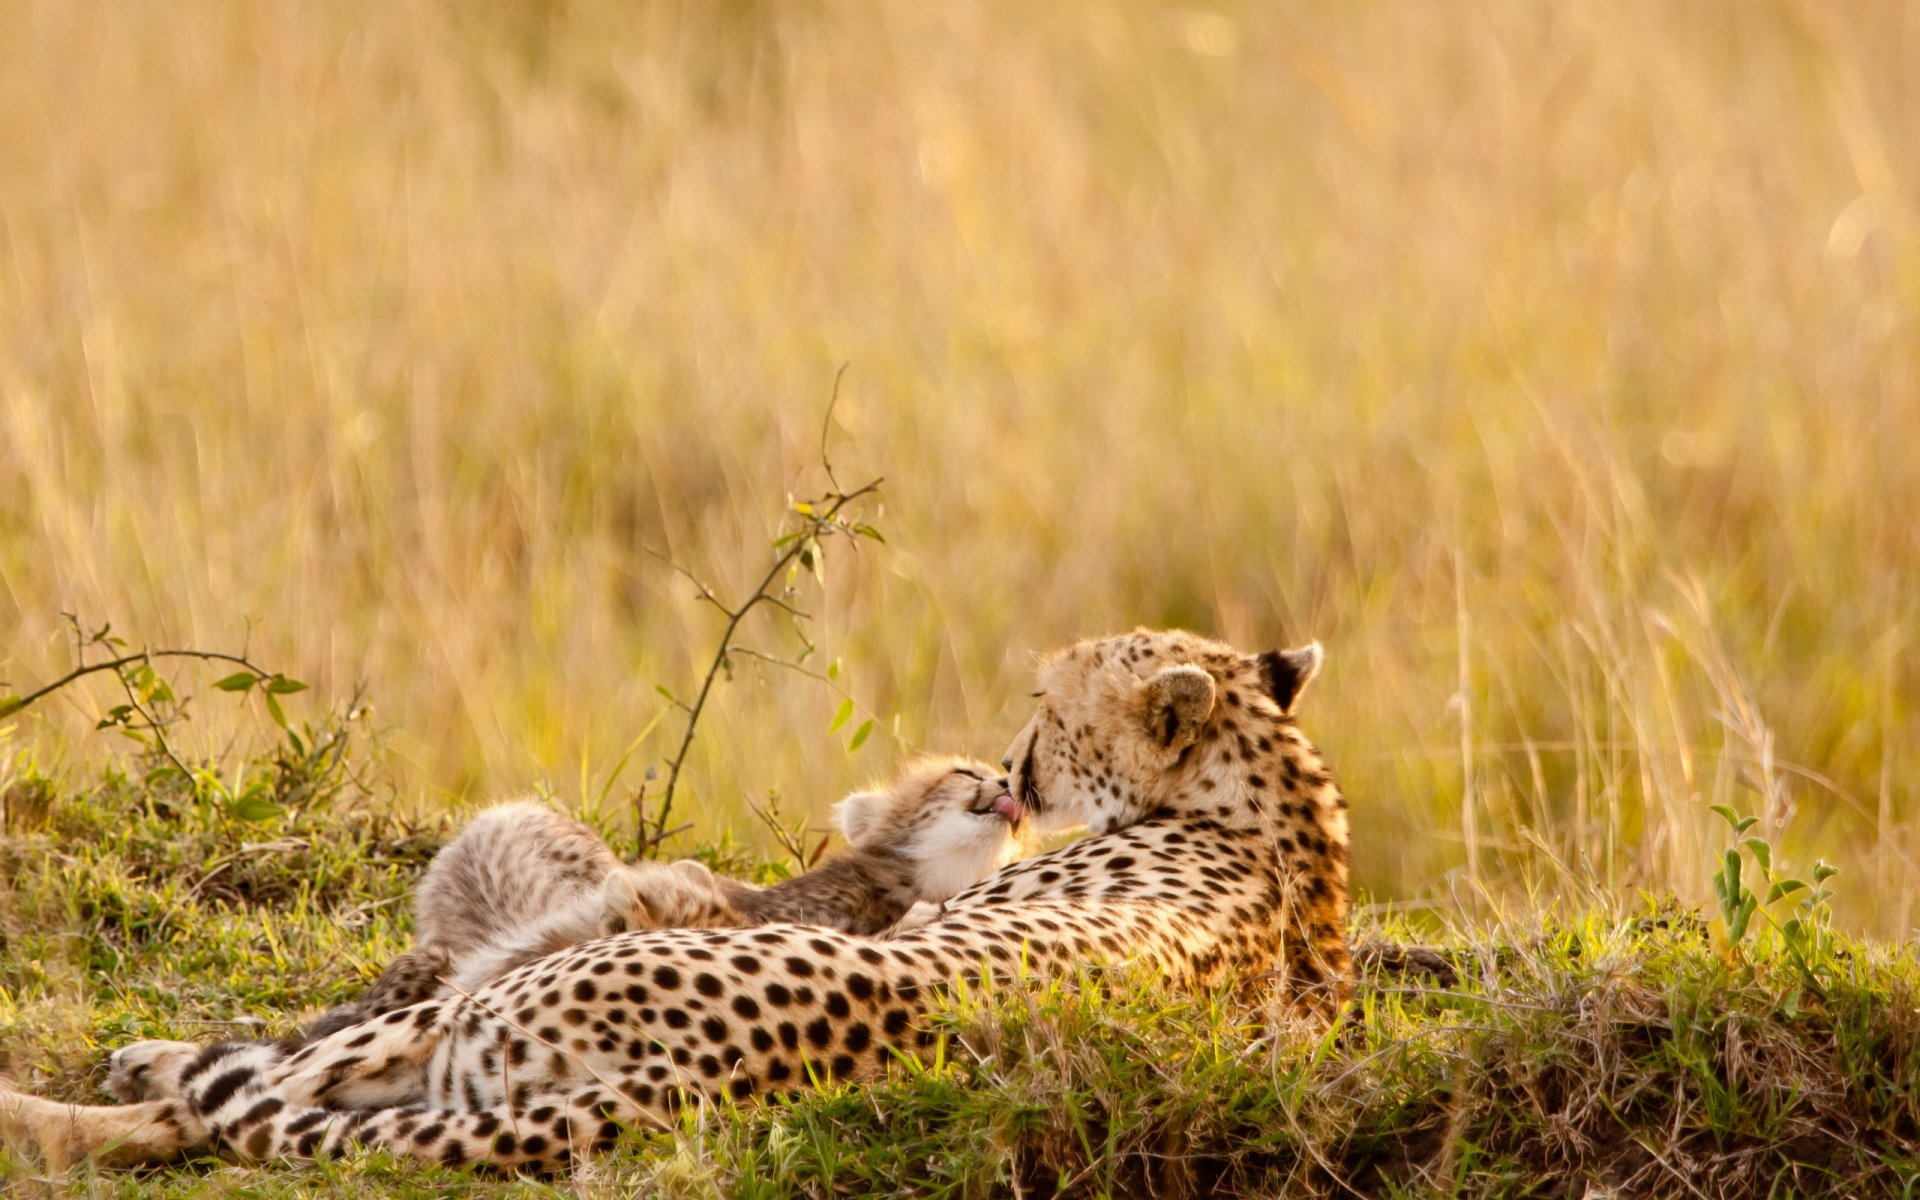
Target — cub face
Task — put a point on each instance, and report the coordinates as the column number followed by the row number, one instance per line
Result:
column 1119, row 720
column 953, row 819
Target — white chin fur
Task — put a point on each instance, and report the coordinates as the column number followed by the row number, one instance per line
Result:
column 1070, row 811
column 958, row 851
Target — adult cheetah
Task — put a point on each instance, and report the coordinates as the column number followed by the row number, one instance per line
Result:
column 1219, row 847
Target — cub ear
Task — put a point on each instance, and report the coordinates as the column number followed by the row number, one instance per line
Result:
column 1288, row 672
column 854, row 817
column 1178, row 702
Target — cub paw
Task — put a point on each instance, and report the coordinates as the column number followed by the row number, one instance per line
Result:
column 922, row 912
column 148, row 1070
column 676, row 895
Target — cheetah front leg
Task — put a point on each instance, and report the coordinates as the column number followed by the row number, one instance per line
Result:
column 376, row 1064
column 154, row 1131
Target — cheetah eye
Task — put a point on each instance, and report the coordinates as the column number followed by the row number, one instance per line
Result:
column 1035, row 695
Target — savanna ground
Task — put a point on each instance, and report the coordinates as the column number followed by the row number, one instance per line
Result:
column 1556, row 367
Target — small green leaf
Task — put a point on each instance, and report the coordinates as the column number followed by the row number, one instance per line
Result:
column 860, row 735
column 870, row 531
column 1746, row 824
column 280, row 685
column 833, row 672
column 10, row 705
column 1823, row 871
column 803, row 508
column 239, row 681
column 273, row 710
column 1762, row 852
column 1786, row 887
column 255, row 807
column 665, row 691
column 841, row 715
column 1726, row 814
column 1737, row 925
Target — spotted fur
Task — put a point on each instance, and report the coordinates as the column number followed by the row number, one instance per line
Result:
column 522, row 882
column 1219, row 851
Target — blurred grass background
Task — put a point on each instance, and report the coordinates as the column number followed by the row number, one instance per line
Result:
column 1555, row 366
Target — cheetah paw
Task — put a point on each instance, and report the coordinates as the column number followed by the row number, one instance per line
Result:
column 148, row 1070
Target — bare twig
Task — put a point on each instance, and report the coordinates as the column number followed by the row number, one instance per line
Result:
column 826, row 424
column 794, row 848
column 650, row 841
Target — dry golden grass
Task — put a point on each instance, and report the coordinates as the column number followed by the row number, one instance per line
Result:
column 1565, row 352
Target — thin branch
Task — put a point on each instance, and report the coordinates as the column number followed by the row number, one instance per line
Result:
column 156, row 727
column 796, row 850
column 21, row 702
column 826, row 424
column 706, row 593
column 774, row 660
column 783, row 606
column 649, row 841
column 815, row 522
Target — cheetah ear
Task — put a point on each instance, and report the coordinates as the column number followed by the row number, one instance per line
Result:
column 1288, row 672
column 1178, row 702
column 854, row 816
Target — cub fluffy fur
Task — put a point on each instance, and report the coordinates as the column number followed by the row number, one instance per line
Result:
column 943, row 825
column 522, row 882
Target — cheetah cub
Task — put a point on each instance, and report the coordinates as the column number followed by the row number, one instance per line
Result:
column 943, row 825
column 510, row 867
column 522, row 882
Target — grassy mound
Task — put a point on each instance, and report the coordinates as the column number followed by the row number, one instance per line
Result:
column 1619, row 1051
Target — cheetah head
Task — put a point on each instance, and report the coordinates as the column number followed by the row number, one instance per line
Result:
column 952, row 818
column 1123, row 723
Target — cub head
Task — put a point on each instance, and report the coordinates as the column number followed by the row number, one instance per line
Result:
column 952, row 818
column 1124, row 723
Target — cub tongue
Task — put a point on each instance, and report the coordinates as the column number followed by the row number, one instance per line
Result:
column 1009, row 808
